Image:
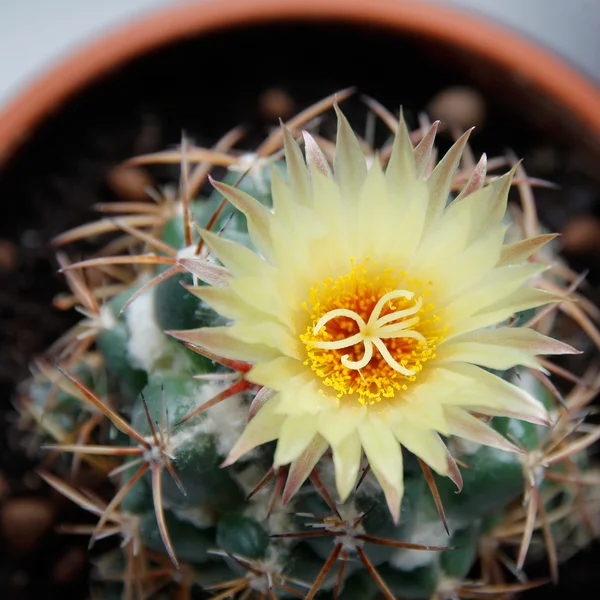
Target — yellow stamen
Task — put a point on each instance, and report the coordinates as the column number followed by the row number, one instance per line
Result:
column 386, row 335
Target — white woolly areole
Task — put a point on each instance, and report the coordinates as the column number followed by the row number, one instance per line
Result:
column 462, row 447
column 188, row 252
column 147, row 341
column 226, row 420
column 272, row 564
column 257, row 165
column 106, row 318
column 427, row 534
column 199, row 516
column 280, row 520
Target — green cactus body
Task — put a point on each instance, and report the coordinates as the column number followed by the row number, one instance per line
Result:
column 221, row 528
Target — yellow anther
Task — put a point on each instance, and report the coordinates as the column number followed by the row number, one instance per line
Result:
column 369, row 333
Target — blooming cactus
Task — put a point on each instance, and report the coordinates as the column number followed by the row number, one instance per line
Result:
column 372, row 309
column 377, row 321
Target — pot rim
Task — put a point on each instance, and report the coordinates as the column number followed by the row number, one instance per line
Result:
column 527, row 61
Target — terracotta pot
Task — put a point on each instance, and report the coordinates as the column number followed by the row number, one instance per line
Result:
column 571, row 98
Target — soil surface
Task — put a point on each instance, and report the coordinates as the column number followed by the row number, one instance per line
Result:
column 204, row 87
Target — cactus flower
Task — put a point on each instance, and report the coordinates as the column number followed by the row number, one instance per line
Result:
column 374, row 311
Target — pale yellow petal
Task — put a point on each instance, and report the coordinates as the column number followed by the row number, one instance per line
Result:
column 295, row 435
column 346, row 461
column 341, row 421
column 382, row 450
column 269, row 333
column 494, row 396
column 349, row 166
column 304, row 395
column 423, row 443
column 409, row 219
column 263, row 294
column 491, row 291
column 424, row 149
column 301, row 468
column 373, row 202
column 424, row 409
column 401, row 170
column 277, row 373
column 521, row 299
column 393, row 493
column 440, row 180
column 468, row 268
column 315, row 159
column 264, row 427
column 237, row 258
column 297, row 173
column 258, row 216
column 444, row 241
column 465, row 425
column 220, row 341
column 520, row 251
column 501, row 348
column 486, row 206
column 226, row 302
column 206, row 271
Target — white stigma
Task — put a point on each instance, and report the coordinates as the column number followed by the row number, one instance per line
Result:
column 375, row 330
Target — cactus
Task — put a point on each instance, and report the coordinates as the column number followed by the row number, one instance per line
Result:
column 222, row 483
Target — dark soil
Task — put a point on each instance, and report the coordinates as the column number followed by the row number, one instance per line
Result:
column 204, row 87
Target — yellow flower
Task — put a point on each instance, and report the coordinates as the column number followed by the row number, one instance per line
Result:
column 371, row 308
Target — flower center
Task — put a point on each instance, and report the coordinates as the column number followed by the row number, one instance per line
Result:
column 371, row 331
